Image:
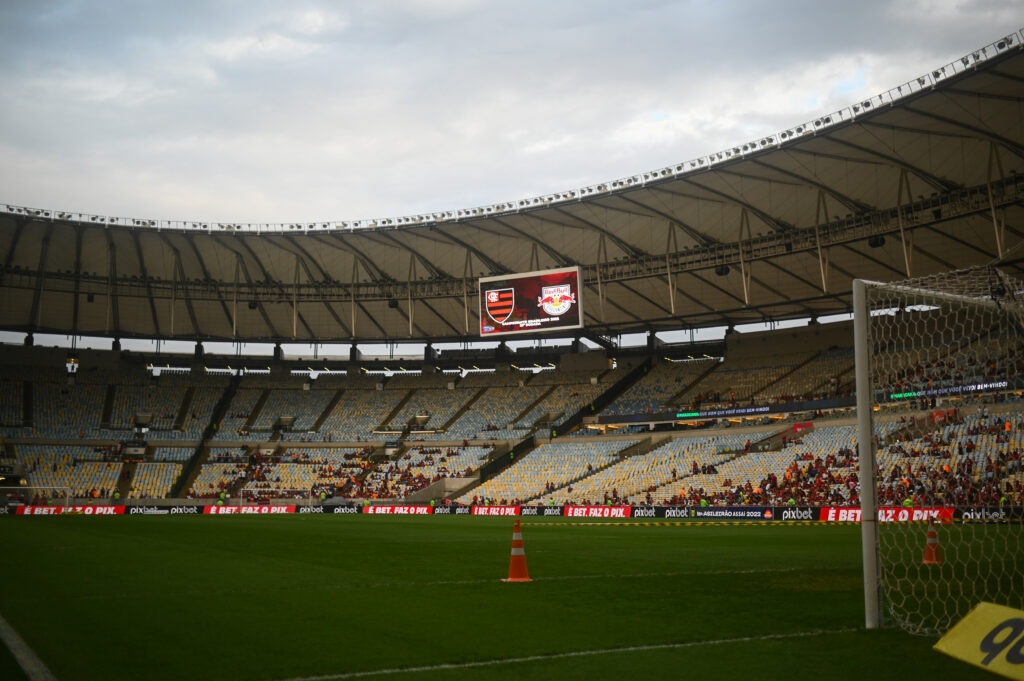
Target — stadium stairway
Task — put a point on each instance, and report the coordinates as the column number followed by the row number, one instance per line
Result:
column 439, row 489
column 645, row 445
column 469, row 403
column 773, row 443
column 499, row 462
column 236, row 487
column 385, row 424
column 533, row 404
column 376, row 458
column 382, row 456
column 108, row 406
column 250, row 423
column 850, row 384
column 327, row 410
column 378, row 455
column 191, row 469
column 27, row 409
column 186, row 404
column 124, row 483
column 471, row 482
column 755, row 446
column 825, row 385
column 360, row 478
column 789, row 373
column 909, row 431
column 674, row 400
column 606, row 398
column 189, row 472
column 917, row 427
column 840, row 386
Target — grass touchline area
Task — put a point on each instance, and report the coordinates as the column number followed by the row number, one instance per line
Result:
column 568, row 654
column 266, row 598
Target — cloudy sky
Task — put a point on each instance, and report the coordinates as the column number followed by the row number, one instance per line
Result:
column 261, row 111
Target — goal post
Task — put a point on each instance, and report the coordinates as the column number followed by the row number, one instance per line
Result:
column 866, row 454
column 27, row 494
column 939, row 365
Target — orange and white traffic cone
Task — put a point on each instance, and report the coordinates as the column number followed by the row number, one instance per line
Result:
column 517, row 563
column 932, row 555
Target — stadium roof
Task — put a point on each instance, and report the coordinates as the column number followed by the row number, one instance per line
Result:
column 924, row 178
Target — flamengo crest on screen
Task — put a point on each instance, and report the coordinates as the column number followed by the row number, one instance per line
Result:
column 500, row 303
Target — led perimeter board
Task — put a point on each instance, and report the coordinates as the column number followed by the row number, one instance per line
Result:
column 531, row 302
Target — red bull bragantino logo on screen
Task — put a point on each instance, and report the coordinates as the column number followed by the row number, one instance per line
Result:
column 556, row 300
column 531, row 302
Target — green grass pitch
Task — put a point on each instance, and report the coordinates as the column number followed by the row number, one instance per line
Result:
column 323, row 597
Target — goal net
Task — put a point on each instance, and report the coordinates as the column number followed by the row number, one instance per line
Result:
column 940, row 366
column 29, row 495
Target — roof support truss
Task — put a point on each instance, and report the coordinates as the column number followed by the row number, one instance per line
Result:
column 145, row 278
column 78, row 280
column 112, row 308
column 37, row 297
column 231, row 315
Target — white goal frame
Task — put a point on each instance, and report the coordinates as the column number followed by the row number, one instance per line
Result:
column 866, row 455
column 28, row 489
column 954, row 289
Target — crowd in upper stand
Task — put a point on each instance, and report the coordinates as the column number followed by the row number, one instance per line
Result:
column 451, row 424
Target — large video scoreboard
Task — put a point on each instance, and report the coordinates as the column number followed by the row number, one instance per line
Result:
column 531, row 302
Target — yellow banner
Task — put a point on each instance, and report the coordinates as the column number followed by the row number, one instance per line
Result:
column 991, row 637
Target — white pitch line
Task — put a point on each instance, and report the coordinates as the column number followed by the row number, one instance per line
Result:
column 35, row 669
column 576, row 653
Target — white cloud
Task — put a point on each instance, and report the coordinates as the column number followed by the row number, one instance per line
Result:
column 320, row 110
column 272, row 45
column 311, row 22
column 90, row 87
